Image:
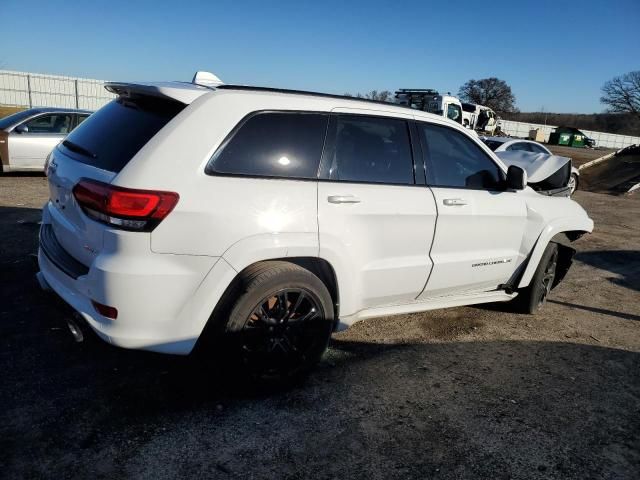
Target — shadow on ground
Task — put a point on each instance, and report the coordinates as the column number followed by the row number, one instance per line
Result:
column 624, row 264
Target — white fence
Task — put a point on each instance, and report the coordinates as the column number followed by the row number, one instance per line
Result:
column 23, row 89
column 608, row 140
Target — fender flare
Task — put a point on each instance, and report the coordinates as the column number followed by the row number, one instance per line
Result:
column 267, row 246
column 555, row 227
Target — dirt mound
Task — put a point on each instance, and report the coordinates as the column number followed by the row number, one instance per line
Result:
column 615, row 176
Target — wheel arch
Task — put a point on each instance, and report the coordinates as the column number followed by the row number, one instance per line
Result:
column 564, row 233
column 317, row 266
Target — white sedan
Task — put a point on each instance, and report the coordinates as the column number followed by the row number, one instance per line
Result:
column 507, row 144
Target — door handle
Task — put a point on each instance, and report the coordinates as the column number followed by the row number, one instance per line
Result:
column 343, row 199
column 454, row 201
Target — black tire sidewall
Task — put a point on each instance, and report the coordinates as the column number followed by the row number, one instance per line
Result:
column 268, row 282
column 534, row 290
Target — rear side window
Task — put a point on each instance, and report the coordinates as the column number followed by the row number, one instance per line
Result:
column 81, row 118
column 453, row 160
column 274, row 144
column 110, row 137
column 369, row 149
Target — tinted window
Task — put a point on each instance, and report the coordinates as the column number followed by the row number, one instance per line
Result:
column 275, row 144
column 59, row 123
column 110, row 137
column 521, row 146
column 453, row 160
column 370, row 149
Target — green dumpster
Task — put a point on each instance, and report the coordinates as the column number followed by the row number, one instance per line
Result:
column 569, row 136
column 564, row 139
column 577, row 140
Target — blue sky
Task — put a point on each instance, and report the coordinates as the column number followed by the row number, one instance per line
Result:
column 555, row 55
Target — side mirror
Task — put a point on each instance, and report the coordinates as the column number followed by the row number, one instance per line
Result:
column 21, row 129
column 516, row 178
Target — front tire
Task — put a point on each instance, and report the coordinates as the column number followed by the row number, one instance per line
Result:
column 532, row 298
column 573, row 183
column 280, row 323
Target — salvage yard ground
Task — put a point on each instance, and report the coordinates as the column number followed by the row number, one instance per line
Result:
column 474, row 392
column 579, row 156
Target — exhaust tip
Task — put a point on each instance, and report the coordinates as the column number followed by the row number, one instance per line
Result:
column 75, row 330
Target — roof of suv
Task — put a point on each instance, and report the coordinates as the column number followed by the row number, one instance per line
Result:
column 187, row 92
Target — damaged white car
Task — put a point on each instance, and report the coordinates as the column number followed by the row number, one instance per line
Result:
column 547, row 173
column 250, row 223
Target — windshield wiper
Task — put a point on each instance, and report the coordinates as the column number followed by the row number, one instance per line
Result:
column 74, row 147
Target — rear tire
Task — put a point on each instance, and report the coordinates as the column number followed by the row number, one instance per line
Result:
column 532, row 298
column 278, row 325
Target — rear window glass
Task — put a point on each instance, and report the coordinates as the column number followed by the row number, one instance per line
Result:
column 274, row 144
column 492, row 144
column 109, row 138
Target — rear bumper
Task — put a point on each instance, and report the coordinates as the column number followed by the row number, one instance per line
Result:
column 161, row 301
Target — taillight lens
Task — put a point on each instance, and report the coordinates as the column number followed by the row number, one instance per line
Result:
column 105, row 310
column 126, row 208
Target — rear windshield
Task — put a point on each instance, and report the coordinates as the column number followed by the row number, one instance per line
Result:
column 109, row 138
column 492, row 144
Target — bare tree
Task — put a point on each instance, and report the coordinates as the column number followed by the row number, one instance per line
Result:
column 622, row 94
column 382, row 96
column 491, row 92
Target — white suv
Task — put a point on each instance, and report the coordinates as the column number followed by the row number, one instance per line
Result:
column 274, row 217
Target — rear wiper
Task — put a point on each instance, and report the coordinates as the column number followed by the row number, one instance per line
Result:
column 74, row 147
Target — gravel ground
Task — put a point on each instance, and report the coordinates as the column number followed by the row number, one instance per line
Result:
column 474, row 392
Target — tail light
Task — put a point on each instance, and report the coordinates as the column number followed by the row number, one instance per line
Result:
column 126, row 208
column 105, row 310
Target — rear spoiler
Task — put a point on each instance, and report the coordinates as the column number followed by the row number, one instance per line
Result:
column 179, row 91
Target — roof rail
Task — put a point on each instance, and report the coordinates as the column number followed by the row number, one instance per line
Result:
column 302, row 92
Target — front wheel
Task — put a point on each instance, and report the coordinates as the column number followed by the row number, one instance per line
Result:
column 573, row 183
column 533, row 297
column 280, row 323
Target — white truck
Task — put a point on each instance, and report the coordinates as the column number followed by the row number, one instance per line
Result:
column 431, row 101
column 479, row 117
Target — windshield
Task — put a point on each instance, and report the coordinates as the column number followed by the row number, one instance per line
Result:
column 14, row 118
column 454, row 112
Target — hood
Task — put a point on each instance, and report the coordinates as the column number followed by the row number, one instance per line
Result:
column 539, row 166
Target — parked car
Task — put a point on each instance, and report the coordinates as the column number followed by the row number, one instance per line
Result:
column 253, row 222
column 27, row 137
column 508, row 144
